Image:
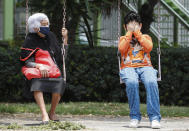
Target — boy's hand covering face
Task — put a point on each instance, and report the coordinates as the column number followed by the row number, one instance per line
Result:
column 137, row 26
column 133, row 26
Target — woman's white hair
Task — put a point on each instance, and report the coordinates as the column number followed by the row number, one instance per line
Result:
column 34, row 21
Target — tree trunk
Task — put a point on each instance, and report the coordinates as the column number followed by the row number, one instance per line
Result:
column 146, row 13
column 71, row 24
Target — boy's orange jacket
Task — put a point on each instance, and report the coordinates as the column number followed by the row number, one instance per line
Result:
column 138, row 55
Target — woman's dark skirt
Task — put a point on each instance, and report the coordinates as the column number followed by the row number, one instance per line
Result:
column 50, row 85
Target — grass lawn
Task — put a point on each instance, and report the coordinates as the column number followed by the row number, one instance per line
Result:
column 93, row 108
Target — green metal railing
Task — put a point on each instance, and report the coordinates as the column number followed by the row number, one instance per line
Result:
column 180, row 27
column 183, row 5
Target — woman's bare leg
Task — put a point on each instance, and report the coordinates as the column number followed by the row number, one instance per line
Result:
column 55, row 100
column 38, row 95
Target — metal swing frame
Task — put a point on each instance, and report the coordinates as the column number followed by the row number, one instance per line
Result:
column 158, row 49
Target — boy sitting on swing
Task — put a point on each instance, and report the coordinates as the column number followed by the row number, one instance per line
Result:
column 135, row 49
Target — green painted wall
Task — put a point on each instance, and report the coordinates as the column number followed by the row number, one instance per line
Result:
column 8, row 19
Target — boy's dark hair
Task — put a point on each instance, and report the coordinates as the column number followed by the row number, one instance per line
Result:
column 132, row 16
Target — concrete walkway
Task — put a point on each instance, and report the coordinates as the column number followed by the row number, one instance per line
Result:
column 100, row 123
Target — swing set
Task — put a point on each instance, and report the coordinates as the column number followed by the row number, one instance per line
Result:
column 118, row 35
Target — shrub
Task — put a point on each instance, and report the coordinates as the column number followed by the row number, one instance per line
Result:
column 92, row 75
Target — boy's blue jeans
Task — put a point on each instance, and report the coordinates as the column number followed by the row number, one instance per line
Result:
column 148, row 76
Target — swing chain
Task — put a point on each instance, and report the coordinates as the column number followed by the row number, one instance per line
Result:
column 159, row 52
column 118, row 34
column 63, row 48
column 64, row 14
column 118, row 19
column 158, row 49
column 27, row 10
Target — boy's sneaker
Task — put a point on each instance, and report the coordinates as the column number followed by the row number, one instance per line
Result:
column 134, row 123
column 155, row 124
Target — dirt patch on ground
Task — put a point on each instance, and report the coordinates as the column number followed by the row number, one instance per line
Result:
column 98, row 123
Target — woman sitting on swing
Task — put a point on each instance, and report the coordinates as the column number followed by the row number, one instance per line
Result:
column 41, row 56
